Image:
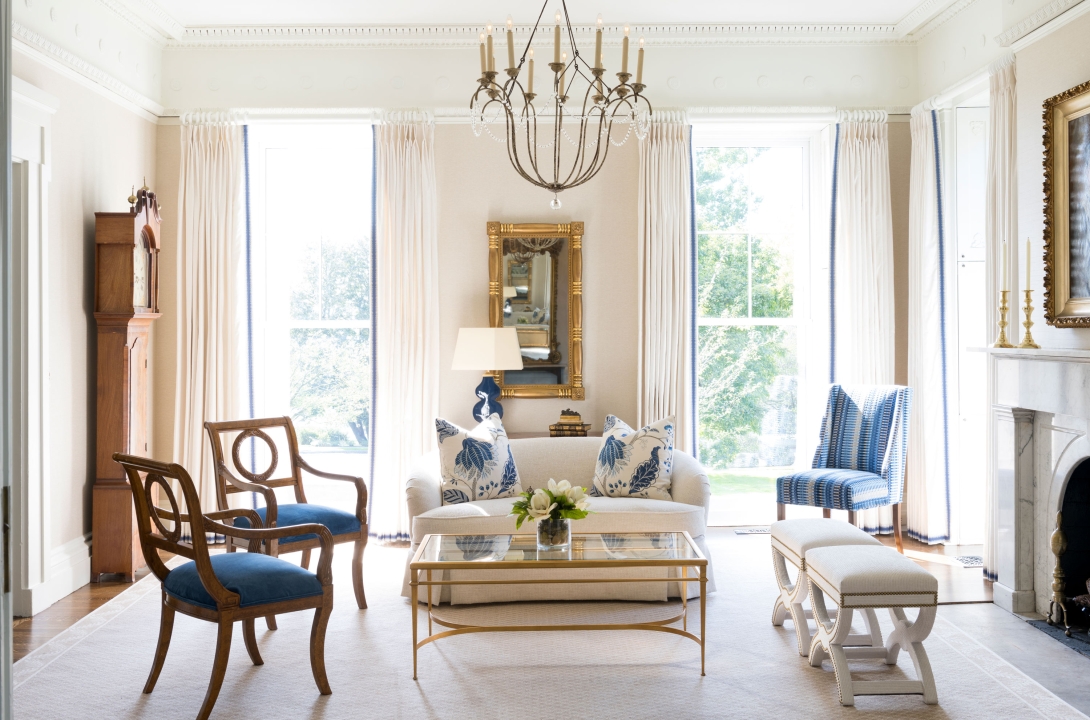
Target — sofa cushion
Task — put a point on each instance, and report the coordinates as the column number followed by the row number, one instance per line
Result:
column 608, row 515
column 257, row 578
column 476, row 464
column 635, row 463
column 338, row 522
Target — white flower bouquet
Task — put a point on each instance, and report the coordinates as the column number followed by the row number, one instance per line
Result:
column 560, row 500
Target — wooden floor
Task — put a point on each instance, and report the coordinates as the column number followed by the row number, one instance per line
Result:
column 957, row 583
column 32, row 632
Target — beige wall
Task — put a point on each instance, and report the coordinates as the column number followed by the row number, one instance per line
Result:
column 1046, row 68
column 900, row 157
column 164, row 338
column 99, row 151
column 476, row 184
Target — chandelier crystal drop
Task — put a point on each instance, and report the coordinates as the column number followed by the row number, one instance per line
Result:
column 559, row 143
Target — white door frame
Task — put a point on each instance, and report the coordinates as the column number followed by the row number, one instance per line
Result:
column 8, row 344
column 38, row 579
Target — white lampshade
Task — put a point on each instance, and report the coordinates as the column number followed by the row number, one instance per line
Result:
column 487, row 349
column 509, row 291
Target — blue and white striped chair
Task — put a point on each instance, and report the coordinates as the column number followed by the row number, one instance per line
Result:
column 860, row 461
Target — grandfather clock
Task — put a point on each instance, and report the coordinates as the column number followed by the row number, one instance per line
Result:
column 126, row 302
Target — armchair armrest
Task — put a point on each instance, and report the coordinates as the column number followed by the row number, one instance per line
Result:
column 325, row 538
column 251, row 515
column 361, row 486
column 423, row 490
column 689, row 482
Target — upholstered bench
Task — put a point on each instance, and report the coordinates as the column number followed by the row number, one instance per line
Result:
column 791, row 539
column 864, row 577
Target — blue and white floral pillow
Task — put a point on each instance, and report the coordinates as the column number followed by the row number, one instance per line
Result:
column 635, row 463
column 476, row 464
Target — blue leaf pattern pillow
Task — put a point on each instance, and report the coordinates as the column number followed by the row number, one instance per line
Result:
column 635, row 463
column 476, row 464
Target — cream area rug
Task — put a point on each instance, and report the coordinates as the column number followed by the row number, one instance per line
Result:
column 97, row 668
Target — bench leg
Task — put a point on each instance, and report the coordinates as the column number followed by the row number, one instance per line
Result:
column 910, row 636
column 829, row 640
column 790, row 600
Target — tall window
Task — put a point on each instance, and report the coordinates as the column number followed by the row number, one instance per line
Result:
column 310, row 189
column 752, row 220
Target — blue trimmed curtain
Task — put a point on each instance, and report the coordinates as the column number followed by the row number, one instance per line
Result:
column 927, row 482
column 861, row 266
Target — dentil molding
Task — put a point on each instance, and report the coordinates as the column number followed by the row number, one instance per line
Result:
column 1043, row 16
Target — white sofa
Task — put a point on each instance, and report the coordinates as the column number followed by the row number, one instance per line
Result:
column 573, row 459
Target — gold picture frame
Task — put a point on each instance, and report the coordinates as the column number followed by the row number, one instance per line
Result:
column 1067, row 296
column 572, row 233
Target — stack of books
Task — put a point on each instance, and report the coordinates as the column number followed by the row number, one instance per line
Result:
column 570, row 425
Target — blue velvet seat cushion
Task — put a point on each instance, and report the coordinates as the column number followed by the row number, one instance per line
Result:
column 337, row 521
column 257, row 578
column 833, row 488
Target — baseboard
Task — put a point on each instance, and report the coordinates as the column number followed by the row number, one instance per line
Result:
column 69, row 570
column 1014, row 601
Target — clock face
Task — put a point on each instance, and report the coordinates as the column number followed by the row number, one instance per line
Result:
column 140, row 265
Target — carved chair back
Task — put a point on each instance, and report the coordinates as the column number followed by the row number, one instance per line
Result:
column 161, row 528
column 232, row 473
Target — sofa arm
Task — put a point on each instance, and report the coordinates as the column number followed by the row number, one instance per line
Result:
column 423, row 491
column 689, row 482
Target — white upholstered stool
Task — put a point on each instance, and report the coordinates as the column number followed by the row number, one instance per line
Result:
column 791, row 539
column 864, row 577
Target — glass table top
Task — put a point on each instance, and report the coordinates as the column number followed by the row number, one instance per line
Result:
column 618, row 547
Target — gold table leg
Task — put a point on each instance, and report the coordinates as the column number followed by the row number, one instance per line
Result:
column 428, row 590
column 414, row 584
column 703, row 613
column 684, row 599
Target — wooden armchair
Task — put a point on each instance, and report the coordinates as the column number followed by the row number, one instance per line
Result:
column 224, row 588
column 345, row 527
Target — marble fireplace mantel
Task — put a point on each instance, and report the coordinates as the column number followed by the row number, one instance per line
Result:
column 1040, row 418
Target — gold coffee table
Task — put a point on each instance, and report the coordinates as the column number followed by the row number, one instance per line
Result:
column 510, row 553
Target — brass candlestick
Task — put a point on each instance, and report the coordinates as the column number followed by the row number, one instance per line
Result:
column 1001, row 341
column 1027, row 339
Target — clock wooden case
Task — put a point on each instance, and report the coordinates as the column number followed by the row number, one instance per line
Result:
column 126, row 303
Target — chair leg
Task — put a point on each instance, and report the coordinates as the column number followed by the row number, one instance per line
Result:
column 166, row 627
column 851, row 517
column 781, row 511
column 270, row 621
column 826, row 513
column 251, row 641
column 305, row 562
column 897, row 528
column 317, row 644
column 274, row 551
column 357, row 574
column 219, row 668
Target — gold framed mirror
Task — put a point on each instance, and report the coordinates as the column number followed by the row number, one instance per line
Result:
column 535, row 285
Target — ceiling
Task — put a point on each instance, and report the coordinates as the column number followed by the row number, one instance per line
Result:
column 477, row 12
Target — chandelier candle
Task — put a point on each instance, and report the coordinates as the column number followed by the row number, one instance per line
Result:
column 598, row 46
column 484, row 61
column 530, row 71
column 510, row 42
column 556, row 39
column 639, row 65
column 563, row 71
column 624, row 52
column 491, row 55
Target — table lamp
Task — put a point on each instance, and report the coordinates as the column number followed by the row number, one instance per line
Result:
column 487, row 349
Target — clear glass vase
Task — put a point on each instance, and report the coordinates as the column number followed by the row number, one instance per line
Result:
column 553, row 534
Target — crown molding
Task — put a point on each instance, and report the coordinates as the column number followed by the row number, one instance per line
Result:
column 464, row 36
column 949, row 13
column 57, row 58
column 163, row 20
column 921, row 14
column 1038, row 19
column 123, row 11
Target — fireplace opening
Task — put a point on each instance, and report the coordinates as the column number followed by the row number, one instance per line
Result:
column 1076, row 560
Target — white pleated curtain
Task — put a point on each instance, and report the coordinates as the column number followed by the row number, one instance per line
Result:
column 863, row 271
column 1001, row 224
column 211, row 241
column 665, row 278
column 406, row 314
column 927, row 475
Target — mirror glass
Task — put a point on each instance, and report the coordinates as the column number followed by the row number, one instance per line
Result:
column 535, row 303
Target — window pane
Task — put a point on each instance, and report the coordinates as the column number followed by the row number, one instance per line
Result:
column 331, row 386
column 723, row 198
column 773, row 279
column 747, row 390
column 346, row 275
column 304, row 259
column 723, row 275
